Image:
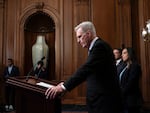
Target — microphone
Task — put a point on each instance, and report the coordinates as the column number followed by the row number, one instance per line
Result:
column 43, row 58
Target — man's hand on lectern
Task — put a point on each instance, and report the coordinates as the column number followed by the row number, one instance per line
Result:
column 54, row 91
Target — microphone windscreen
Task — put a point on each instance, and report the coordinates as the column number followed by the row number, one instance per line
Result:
column 43, row 58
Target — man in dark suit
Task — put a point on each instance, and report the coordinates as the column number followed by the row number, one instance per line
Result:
column 118, row 58
column 10, row 71
column 117, row 54
column 103, row 92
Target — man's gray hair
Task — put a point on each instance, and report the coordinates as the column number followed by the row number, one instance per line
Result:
column 86, row 26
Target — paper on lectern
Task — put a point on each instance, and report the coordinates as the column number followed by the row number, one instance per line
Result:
column 44, row 84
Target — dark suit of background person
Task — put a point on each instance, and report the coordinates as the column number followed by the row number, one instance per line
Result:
column 118, row 59
column 40, row 71
column 129, row 82
column 103, row 92
column 10, row 71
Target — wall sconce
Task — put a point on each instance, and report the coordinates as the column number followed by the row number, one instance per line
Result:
column 146, row 32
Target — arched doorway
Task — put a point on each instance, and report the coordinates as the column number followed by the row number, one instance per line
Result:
column 36, row 24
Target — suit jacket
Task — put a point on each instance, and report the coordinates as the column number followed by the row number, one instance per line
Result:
column 41, row 73
column 14, row 72
column 131, row 93
column 103, row 92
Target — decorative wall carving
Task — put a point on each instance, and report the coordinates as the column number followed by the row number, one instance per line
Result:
column 39, row 6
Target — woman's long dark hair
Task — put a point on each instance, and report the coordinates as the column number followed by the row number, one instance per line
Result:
column 131, row 54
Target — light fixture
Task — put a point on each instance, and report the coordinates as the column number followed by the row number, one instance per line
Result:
column 146, row 32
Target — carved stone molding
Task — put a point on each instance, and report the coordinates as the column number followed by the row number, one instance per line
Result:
column 29, row 11
column 39, row 6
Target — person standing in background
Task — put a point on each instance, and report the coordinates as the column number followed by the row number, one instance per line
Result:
column 117, row 54
column 10, row 71
column 40, row 71
column 118, row 57
column 129, row 82
column 103, row 92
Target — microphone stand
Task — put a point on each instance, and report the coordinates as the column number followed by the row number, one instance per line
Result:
column 27, row 77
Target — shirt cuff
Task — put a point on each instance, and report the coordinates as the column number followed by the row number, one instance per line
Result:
column 63, row 87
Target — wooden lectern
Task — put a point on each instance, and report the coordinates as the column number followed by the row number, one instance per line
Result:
column 30, row 95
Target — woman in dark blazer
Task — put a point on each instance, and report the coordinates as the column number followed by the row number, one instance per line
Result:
column 129, row 82
column 103, row 92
